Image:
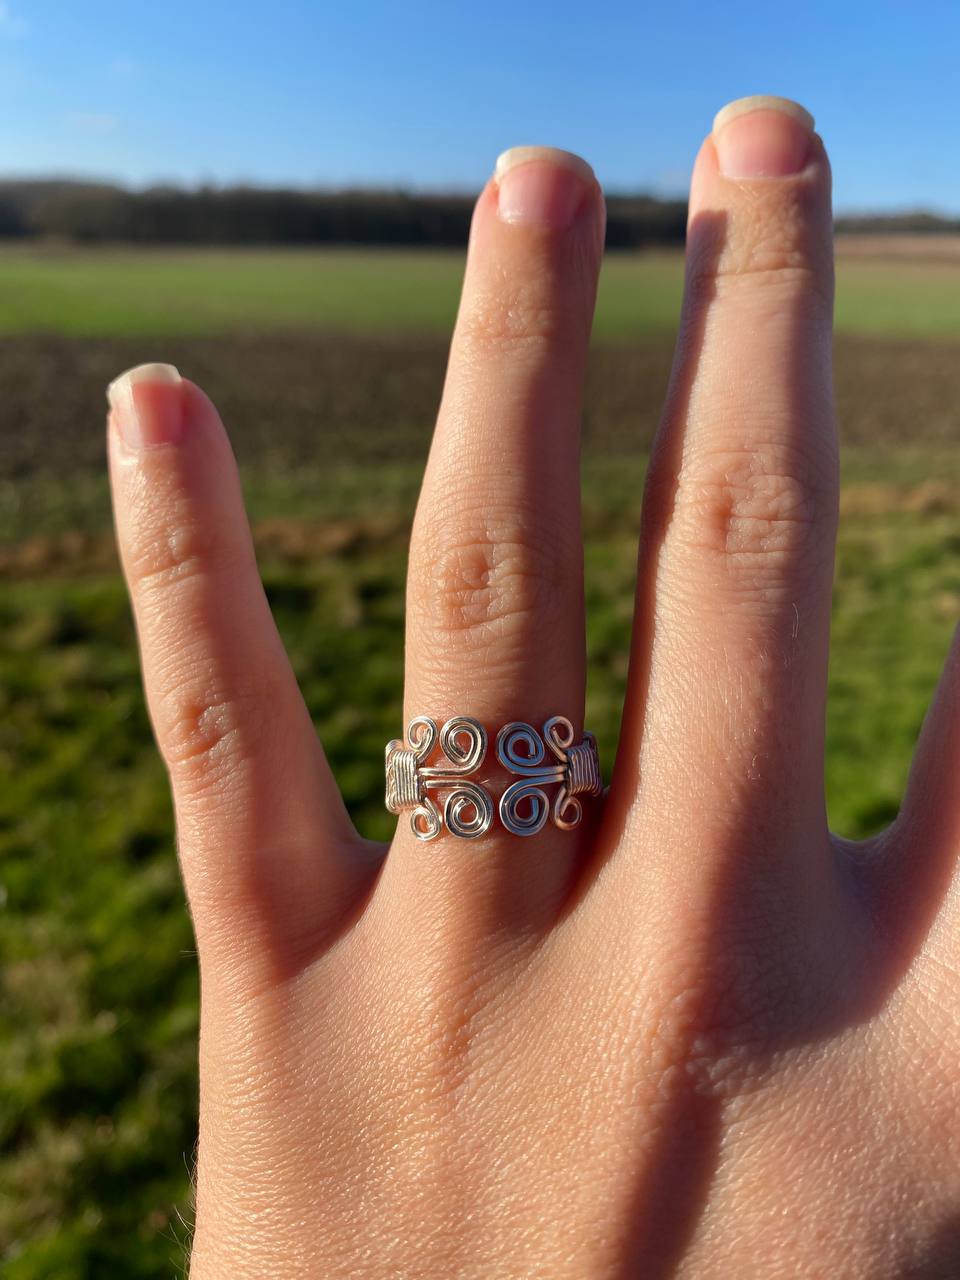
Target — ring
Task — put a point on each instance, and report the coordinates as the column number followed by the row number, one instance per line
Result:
column 538, row 760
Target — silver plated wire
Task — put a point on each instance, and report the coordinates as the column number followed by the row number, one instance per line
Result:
column 525, row 806
column 467, row 809
column 538, row 760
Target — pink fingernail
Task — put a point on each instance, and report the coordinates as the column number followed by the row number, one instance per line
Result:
column 541, row 186
column 762, row 137
column 147, row 406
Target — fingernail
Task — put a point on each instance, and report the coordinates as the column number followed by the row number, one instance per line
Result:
column 762, row 137
column 146, row 404
column 541, row 186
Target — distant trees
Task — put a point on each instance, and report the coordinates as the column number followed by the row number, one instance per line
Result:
column 911, row 222
column 95, row 213
column 251, row 216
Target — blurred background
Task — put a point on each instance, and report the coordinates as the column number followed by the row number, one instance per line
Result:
column 277, row 202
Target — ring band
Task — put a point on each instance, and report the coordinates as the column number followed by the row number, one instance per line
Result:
column 538, row 759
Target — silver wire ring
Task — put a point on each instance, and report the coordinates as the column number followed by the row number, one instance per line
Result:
column 539, row 760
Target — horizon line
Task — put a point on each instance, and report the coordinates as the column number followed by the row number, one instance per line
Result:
column 188, row 187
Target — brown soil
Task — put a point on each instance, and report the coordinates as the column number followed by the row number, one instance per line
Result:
column 935, row 247
column 289, row 401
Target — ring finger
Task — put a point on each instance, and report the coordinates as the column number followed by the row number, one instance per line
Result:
column 495, row 626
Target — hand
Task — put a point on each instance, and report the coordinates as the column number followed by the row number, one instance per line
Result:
column 696, row 1035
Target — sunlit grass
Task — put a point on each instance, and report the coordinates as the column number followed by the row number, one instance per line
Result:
column 159, row 292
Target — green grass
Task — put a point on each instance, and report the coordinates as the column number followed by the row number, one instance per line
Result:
column 110, row 292
column 99, row 996
column 899, row 299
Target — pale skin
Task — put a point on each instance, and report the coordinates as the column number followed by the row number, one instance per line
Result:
column 697, row 1036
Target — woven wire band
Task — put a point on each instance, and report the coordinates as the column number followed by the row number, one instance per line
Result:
column 538, row 760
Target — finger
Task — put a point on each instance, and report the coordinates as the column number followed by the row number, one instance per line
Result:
column 495, row 624
column 264, row 840
column 916, row 861
column 726, row 697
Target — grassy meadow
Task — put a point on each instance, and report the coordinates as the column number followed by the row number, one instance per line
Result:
column 327, row 367
column 162, row 292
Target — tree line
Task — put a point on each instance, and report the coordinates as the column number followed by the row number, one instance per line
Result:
column 94, row 213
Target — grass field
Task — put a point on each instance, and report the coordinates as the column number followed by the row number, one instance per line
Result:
column 108, row 293
column 98, row 992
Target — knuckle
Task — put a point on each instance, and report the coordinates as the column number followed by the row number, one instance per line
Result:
column 771, row 283
column 510, row 317
column 480, row 585
column 174, row 552
column 753, row 507
column 205, row 732
column 774, row 246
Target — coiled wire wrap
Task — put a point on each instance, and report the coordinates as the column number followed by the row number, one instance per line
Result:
column 525, row 806
column 467, row 809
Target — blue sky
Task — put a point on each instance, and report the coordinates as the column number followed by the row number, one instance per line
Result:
column 426, row 95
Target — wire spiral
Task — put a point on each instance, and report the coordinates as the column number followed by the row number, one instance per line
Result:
column 538, row 760
column 467, row 809
column 525, row 805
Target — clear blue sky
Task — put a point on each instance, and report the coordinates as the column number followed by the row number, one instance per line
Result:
column 425, row 95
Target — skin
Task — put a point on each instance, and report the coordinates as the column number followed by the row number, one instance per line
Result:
column 697, row 1036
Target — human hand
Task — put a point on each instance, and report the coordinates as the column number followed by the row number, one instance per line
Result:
column 695, row 1035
